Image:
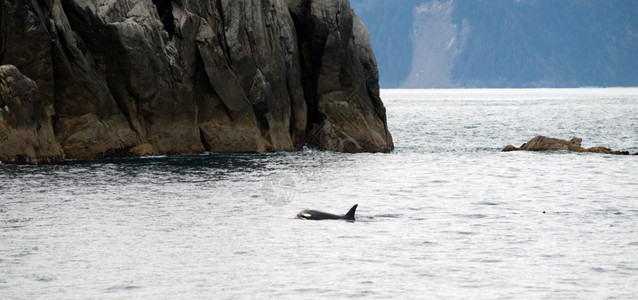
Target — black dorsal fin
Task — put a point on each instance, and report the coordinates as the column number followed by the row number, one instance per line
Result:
column 350, row 214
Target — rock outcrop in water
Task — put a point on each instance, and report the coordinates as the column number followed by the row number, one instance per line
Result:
column 142, row 77
column 542, row 143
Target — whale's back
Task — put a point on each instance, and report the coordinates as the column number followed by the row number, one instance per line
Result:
column 310, row 214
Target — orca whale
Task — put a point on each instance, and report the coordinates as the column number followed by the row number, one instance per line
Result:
column 310, row 214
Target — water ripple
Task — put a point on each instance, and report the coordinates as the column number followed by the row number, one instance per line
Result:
column 446, row 215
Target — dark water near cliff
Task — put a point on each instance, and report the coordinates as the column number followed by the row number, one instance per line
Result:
column 447, row 215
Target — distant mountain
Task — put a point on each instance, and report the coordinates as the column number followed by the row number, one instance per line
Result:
column 503, row 43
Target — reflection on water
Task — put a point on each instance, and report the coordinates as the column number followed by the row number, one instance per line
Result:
column 446, row 215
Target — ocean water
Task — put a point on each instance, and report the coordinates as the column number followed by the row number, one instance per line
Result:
column 446, row 215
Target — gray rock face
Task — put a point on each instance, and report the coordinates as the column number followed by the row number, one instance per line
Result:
column 542, row 143
column 26, row 134
column 345, row 111
column 141, row 77
column 438, row 41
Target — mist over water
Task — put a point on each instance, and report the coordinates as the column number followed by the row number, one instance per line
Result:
column 444, row 215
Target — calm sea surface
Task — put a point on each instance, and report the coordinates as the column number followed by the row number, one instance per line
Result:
column 446, row 215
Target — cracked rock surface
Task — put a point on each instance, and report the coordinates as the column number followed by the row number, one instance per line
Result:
column 147, row 77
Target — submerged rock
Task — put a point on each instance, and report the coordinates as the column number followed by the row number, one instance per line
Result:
column 144, row 77
column 542, row 143
column 26, row 132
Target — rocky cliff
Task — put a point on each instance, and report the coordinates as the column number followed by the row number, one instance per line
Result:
column 26, row 134
column 141, row 77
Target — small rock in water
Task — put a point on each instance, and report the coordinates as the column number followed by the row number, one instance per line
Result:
column 543, row 143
